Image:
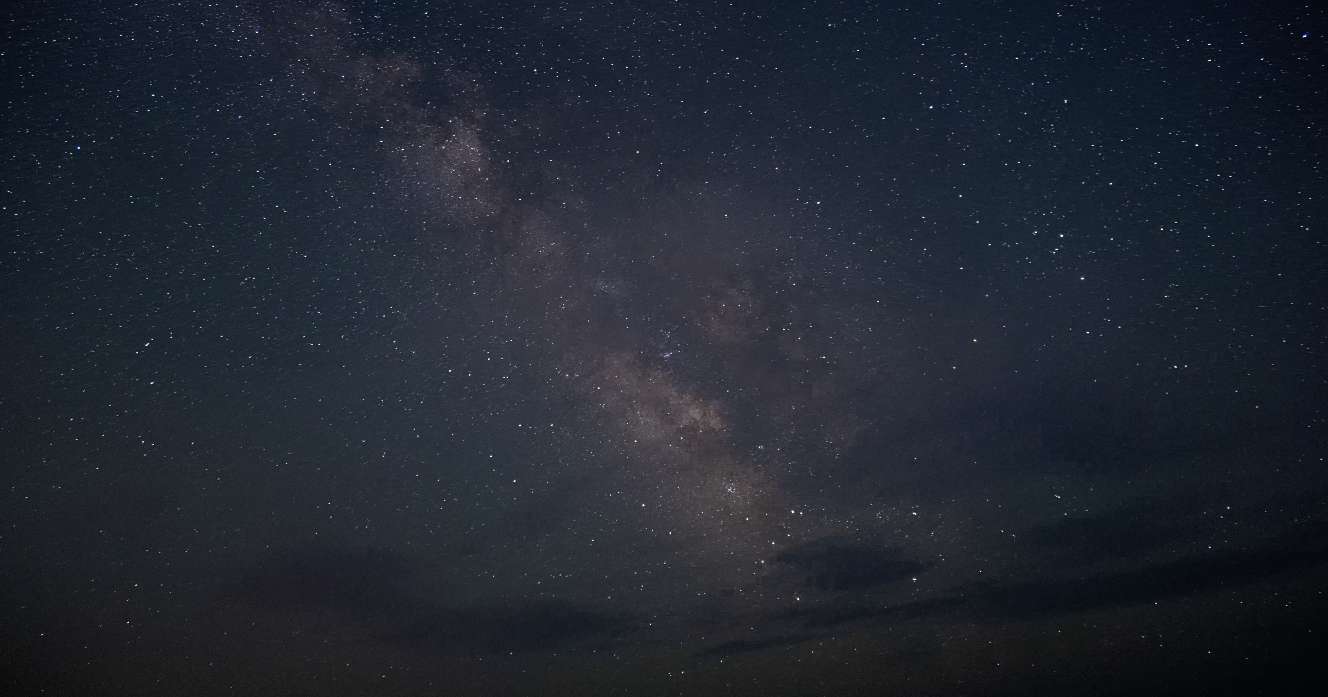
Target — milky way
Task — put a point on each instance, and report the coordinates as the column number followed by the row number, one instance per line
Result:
column 661, row 348
column 673, row 438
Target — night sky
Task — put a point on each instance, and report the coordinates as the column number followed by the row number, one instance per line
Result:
column 663, row 348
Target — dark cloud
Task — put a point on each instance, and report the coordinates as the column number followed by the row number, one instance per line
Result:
column 740, row 646
column 1297, row 551
column 839, row 565
column 356, row 583
column 834, row 614
column 368, row 587
column 525, row 626
column 1127, row 532
column 1036, row 598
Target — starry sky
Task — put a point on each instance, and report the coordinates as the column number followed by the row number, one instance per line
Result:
column 673, row 348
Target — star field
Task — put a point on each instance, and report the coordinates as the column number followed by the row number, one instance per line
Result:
column 662, row 348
